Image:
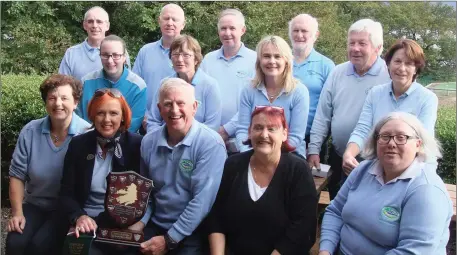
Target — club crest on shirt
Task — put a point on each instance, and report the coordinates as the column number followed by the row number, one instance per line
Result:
column 241, row 73
column 199, row 103
column 186, row 166
column 390, row 213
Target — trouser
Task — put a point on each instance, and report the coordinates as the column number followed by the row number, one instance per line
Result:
column 338, row 176
column 42, row 234
column 194, row 244
column 99, row 248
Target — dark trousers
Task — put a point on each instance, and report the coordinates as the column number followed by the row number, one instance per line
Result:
column 191, row 245
column 42, row 233
column 99, row 248
column 338, row 176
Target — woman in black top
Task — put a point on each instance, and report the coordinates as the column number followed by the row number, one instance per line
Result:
column 267, row 200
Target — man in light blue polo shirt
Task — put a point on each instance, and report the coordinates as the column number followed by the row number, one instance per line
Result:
column 233, row 66
column 344, row 93
column 152, row 63
column 84, row 58
column 310, row 67
column 185, row 159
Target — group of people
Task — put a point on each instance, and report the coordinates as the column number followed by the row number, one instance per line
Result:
column 230, row 140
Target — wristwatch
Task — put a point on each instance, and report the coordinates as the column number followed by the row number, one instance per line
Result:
column 170, row 243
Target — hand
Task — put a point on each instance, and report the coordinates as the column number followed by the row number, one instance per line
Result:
column 85, row 224
column 154, row 246
column 139, row 226
column 16, row 223
column 324, row 253
column 223, row 133
column 145, row 123
column 349, row 163
column 314, row 160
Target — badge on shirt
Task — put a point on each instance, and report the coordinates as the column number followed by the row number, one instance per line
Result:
column 241, row 74
column 390, row 213
column 186, row 166
column 199, row 103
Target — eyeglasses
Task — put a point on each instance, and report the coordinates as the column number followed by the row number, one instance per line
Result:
column 112, row 92
column 271, row 106
column 184, row 55
column 398, row 139
column 115, row 56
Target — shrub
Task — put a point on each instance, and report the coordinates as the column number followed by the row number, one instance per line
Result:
column 445, row 132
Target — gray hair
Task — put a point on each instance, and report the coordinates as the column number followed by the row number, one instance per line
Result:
column 94, row 8
column 234, row 12
column 168, row 84
column 373, row 28
column 313, row 21
column 174, row 6
column 429, row 150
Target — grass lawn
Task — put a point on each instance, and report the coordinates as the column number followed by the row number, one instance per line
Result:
column 445, row 85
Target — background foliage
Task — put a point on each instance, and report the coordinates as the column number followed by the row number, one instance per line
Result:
column 35, row 35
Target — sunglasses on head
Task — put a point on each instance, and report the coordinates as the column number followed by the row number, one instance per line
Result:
column 270, row 106
column 112, row 92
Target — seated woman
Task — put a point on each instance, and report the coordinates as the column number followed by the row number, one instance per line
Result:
column 393, row 202
column 267, row 200
column 186, row 56
column 110, row 147
column 36, row 168
column 405, row 61
column 275, row 85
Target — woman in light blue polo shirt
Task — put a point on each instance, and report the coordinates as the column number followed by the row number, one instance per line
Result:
column 274, row 85
column 36, row 168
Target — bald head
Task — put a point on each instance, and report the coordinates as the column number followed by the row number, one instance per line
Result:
column 172, row 7
column 171, row 21
column 97, row 11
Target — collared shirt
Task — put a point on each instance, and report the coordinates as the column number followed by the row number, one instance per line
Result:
column 208, row 99
column 129, row 84
column 295, row 105
column 153, row 64
column 341, row 102
column 82, row 59
column 38, row 162
column 186, row 177
column 410, row 214
column 233, row 75
column 313, row 73
column 380, row 101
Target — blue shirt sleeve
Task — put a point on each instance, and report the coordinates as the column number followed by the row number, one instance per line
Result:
column 230, row 127
column 64, row 67
column 428, row 113
column 299, row 116
column 424, row 218
column 137, row 66
column 244, row 119
column 138, row 109
column 144, row 171
column 213, row 109
column 365, row 123
column 205, row 181
column 154, row 118
column 20, row 160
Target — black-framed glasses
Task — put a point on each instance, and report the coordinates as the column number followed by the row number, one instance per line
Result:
column 271, row 106
column 398, row 139
column 183, row 54
column 110, row 91
column 115, row 56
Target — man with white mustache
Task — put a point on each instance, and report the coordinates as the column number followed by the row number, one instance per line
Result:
column 84, row 58
column 152, row 62
column 233, row 66
column 310, row 67
column 344, row 93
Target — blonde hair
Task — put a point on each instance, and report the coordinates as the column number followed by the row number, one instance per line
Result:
column 287, row 79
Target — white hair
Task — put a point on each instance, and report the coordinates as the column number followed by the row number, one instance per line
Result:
column 95, row 8
column 168, row 84
column 373, row 28
column 173, row 6
column 311, row 19
column 429, row 150
column 234, row 12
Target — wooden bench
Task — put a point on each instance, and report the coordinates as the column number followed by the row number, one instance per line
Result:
column 324, row 199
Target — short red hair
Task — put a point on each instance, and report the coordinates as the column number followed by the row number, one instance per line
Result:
column 97, row 101
column 274, row 115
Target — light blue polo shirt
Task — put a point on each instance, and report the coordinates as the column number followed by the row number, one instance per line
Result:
column 313, row 73
column 380, row 101
column 186, row 177
column 232, row 75
column 39, row 163
column 82, row 59
column 407, row 215
column 208, row 98
column 153, row 64
column 295, row 105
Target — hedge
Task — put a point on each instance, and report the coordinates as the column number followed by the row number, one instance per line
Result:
column 21, row 103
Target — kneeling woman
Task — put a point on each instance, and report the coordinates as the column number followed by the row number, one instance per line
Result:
column 267, row 199
column 91, row 157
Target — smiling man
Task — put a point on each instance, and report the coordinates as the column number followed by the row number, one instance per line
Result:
column 152, row 63
column 344, row 93
column 115, row 74
column 185, row 159
column 233, row 66
column 84, row 58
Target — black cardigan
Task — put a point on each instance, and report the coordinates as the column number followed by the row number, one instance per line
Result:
column 79, row 166
column 284, row 218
